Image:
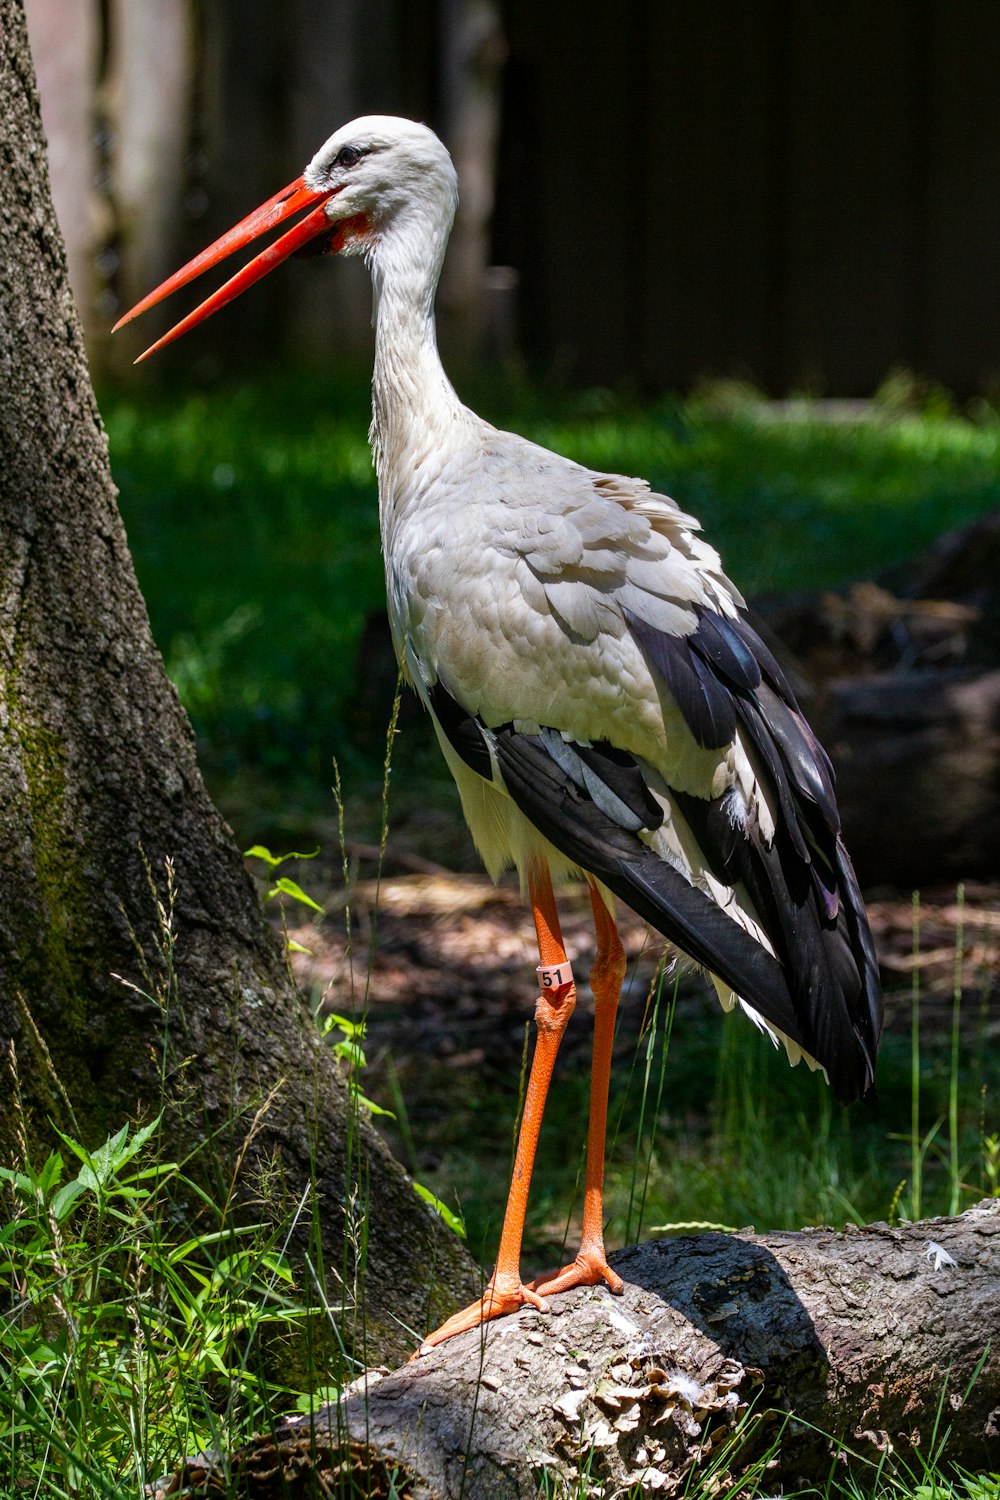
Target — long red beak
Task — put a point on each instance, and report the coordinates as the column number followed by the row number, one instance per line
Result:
column 269, row 215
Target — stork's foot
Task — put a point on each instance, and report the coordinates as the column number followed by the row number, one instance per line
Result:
column 589, row 1268
column 502, row 1295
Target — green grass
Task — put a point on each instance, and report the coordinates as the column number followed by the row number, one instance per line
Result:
column 131, row 1336
column 142, row 1318
column 135, row 1333
column 251, row 520
column 251, row 514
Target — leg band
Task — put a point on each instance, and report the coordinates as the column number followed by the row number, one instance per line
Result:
column 555, row 976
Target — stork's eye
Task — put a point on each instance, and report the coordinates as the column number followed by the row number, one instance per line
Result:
column 348, row 156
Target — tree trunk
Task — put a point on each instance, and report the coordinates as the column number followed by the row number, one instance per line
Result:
column 99, row 790
column 788, row 1354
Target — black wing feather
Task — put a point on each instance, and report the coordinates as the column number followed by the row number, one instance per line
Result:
column 582, row 831
column 740, row 626
column 463, row 730
column 771, row 768
column 805, row 759
column 702, row 699
column 619, row 771
column 723, row 647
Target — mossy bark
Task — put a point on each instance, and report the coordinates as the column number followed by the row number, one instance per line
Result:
column 99, row 789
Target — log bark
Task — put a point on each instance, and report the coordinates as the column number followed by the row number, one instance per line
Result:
column 789, row 1354
column 99, row 789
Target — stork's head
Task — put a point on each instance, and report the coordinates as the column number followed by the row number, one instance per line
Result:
column 377, row 174
column 379, row 169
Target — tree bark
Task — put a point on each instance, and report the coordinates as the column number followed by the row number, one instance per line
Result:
column 789, row 1354
column 99, row 789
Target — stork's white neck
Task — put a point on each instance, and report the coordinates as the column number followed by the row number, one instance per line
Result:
column 414, row 404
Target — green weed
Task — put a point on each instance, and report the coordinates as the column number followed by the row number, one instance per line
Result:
column 127, row 1339
column 141, row 1321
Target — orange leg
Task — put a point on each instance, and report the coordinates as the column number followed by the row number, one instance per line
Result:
column 591, row 1265
column 505, row 1291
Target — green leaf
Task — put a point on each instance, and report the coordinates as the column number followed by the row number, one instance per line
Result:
column 66, row 1197
column 289, row 888
column 451, row 1219
column 350, row 1052
column 105, row 1159
column 258, row 851
column 278, row 1268
column 79, row 1151
column 50, row 1173
column 157, row 1170
column 343, row 1023
column 294, row 947
column 24, row 1184
column 371, row 1106
column 142, row 1136
column 323, row 1395
column 981, row 1486
column 215, row 1361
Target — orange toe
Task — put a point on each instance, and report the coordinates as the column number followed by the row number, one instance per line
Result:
column 497, row 1300
column 589, row 1268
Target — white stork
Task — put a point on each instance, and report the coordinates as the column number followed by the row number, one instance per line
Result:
column 599, row 695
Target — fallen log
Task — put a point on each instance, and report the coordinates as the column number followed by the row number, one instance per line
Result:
column 901, row 682
column 918, row 773
column 786, row 1353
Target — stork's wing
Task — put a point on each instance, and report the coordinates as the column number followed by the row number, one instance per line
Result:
column 820, row 986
